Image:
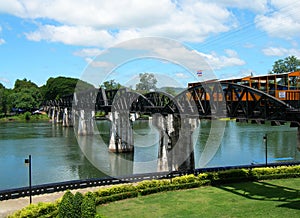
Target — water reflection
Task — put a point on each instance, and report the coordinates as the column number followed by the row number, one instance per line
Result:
column 56, row 155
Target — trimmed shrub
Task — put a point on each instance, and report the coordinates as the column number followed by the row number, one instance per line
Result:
column 275, row 172
column 184, row 179
column 115, row 190
column 37, row 210
column 171, row 187
column 152, row 184
column 78, row 198
column 116, row 197
column 233, row 175
column 66, row 208
column 202, row 176
column 88, row 206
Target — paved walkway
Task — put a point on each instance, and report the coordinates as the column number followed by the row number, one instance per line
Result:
column 9, row 206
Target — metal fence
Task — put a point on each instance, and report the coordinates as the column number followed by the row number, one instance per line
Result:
column 78, row 184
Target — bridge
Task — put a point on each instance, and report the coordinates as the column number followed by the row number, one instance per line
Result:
column 175, row 117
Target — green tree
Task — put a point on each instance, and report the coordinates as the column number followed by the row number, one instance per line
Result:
column 25, row 95
column 56, row 88
column 3, row 99
column 147, row 82
column 111, row 84
column 288, row 64
column 88, row 206
column 66, row 208
column 22, row 84
column 78, row 198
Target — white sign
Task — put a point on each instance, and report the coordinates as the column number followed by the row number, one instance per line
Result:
column 281, row 94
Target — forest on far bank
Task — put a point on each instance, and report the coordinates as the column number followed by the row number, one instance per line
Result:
column 27, row 96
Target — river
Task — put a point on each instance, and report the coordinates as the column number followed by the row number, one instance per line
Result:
column 56, row 155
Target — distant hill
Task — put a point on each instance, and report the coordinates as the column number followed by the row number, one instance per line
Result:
column 175, row 90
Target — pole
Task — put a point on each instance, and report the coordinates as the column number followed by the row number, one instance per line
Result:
column 266, row 148
column 30, row 190
column 28, row 161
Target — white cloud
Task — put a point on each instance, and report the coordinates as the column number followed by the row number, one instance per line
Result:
column 283, row 21
column 14, row 7
column 218, row 62
column 254, row 5
column 240, row 74
column 280, row 51
column 99, row 63
column 182, row 75
column 71, row 35
column 2, row 41
column 87, row 52
column 105, row 23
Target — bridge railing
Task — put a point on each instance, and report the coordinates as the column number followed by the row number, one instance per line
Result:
column 78, row 184
column 293, row 98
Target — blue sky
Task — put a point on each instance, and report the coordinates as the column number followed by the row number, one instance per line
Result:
column 42, row 38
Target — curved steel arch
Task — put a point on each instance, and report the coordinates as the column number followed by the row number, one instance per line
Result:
column 199, row 101
column 241, row 101
column 126, row 100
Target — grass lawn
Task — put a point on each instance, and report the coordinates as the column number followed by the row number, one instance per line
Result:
column 272, row 198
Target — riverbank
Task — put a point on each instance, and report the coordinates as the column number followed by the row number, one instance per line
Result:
column 26, row 117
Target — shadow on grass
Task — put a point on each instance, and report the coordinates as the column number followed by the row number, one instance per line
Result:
column 266, row 192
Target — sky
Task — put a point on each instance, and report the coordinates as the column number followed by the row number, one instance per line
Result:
column 49, row 38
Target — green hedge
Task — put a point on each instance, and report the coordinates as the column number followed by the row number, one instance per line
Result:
column 119, row 192
column 152, row 184
column 275, row 172
column 37, row 210
column 116, row 197
column 116, row 189
column 229, row 176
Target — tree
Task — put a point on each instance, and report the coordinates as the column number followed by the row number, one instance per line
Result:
column 66, row 208
column 288, row 64
column 88, row 206
column 3, row 99
column 78, row 198
column 26, row 99
column 26, row 95
column 111, row 84
column 55, row 88
column 22, row 84
column 147, row 82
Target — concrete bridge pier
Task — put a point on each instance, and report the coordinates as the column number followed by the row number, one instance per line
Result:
column 49, row 110
column 58, row 115
column 55, row 114
column 86, row 121
column 160, row 123
column 121, row 133
column 176, row 145
column 184, row 150
column 67, row 117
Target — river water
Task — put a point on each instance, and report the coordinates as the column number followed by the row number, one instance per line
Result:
column 57, row 156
